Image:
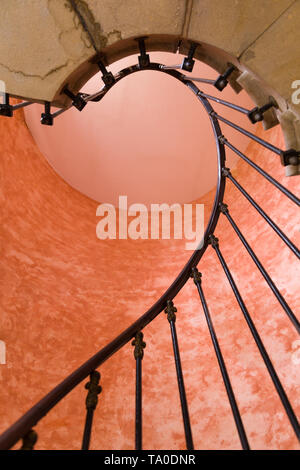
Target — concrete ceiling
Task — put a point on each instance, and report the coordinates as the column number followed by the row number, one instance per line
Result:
column 43, row 44
column 48, row 44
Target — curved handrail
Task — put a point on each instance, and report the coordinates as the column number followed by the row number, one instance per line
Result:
column 40, row 409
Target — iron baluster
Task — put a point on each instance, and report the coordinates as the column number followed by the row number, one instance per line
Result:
column 287, row 157
column 260, row 141
column 284, row 238
column 29, row 440
column 255, row 115
column 46, row 116
column 91, row 402
column 280, row 390
column 188, row 62
column 22, row 105
column 279, row 186
column 208, row 81
column 143, row 58
column 107, row 77
column 221, row 82
column 78, row 100
column 139, row 346
column 234, row 407
column 279, row 297
column 225, row 103
column 170, row 311
column 6, row 109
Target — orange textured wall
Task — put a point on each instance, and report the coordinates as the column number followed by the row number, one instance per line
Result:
column 65, row 294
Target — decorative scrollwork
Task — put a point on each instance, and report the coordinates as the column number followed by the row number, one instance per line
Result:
column 94, row 389
column 170, row 311
column 226, row 172
column 196, row 275
column 139, row 345
column 213, row 241
column 223, row 208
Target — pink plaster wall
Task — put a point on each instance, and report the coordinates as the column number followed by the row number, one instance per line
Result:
column 65, row 294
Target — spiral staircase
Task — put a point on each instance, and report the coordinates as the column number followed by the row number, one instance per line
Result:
column 269, row 112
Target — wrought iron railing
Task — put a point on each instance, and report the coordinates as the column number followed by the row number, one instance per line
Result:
column 23, row 428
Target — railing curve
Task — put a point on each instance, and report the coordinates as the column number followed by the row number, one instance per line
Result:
column 38, row 411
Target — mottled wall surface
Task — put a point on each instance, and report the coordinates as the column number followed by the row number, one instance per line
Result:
column 65, row 294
